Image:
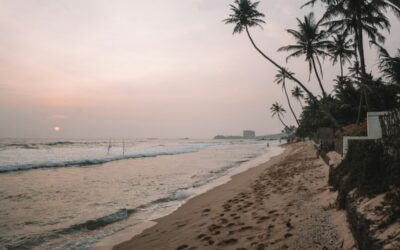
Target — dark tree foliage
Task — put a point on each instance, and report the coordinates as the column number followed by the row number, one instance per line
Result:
column 344, row 104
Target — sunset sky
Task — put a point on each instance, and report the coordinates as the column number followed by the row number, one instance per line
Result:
column 133, row 69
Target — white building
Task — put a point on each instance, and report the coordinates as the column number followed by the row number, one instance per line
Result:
column 249, row 134
column 374, row 130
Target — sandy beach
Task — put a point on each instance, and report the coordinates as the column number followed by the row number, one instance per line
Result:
column 284, row 203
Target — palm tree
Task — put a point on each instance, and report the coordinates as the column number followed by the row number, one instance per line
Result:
column 280, row 78
column 245, row 15
column 298, row 94
column 359, row 16
column 389, row 66
column 278, row 110
column 341, row 50
column 311, row 43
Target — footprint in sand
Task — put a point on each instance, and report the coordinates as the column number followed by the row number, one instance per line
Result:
column 226, row 242
column 245, row 228
column 182, row 247
column 213, row 227
column 261, row 247
column 208, row 240
column 287, row 235
column 223, row 221
column 262, row 219
column 200, row 236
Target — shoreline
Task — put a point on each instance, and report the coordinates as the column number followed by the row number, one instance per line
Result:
column 127, row 233
column 282, row 203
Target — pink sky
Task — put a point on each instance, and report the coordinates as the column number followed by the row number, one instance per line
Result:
column 131, row 69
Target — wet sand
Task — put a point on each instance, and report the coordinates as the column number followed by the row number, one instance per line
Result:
column 282, row 204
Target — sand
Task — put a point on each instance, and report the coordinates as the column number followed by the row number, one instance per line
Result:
column 282, row 204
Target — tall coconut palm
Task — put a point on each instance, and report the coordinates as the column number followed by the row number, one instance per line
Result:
column 278, row 110
column 341, row 50
column 360, row 16
column 245, row 15
column 298, row 94
column 280, row 78
column 310, row 42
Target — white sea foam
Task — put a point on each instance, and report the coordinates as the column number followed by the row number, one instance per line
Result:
column 64, row 154
column 74, row 207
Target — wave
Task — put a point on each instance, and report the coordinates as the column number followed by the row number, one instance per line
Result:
column 37, row 145
column 180, row 194
column 31, row 241
column 96, row 161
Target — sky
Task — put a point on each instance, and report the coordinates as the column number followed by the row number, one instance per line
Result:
column 137, row 69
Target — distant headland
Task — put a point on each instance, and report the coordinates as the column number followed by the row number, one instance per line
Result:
column 250, row 134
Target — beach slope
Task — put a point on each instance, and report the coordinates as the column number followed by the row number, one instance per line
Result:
column 282, row 204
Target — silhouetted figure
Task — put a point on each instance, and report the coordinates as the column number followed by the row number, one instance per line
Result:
column 109, row 147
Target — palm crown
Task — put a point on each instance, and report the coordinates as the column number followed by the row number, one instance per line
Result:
column 297, row 93
column 282, row 75
column 310, row 42
column 341, row 50
column 277, row 109
column 245, row 14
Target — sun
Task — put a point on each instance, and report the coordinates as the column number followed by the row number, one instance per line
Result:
column 56, row 129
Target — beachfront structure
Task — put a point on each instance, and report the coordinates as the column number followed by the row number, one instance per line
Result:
column 249, row 134
column 374, row 130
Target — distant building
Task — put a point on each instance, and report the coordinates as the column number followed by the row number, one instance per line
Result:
column 249, row 134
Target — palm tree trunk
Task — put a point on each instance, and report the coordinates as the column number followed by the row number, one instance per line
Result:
column 341, row 66
column 360, row 43
column 290, row 106
column 319, row 80
column 359, row 108
column 315, row 100
column 301, row 104
column 280, row 67
column 280, row 119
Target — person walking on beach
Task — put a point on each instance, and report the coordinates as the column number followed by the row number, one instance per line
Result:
column 109, row 148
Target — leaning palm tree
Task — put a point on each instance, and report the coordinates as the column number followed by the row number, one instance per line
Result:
column 341, row 50
column 298, row 94
column 310, row 42
column 280, row 78
column 246, row 15
column 278, row 110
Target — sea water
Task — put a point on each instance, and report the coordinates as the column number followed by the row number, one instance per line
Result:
column 70, row 194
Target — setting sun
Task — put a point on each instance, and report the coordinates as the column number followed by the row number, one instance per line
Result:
column 56, row 129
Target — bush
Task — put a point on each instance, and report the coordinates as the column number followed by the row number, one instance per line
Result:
column 369, row 168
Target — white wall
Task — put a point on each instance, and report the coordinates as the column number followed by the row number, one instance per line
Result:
column 373, row 127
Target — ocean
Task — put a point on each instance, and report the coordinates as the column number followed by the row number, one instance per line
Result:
column 70, row 194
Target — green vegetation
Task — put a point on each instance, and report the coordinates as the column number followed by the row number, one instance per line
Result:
column 279, row 111
column 371, row 167
column 339, row 35
column 280, row 78
column 312, row 43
